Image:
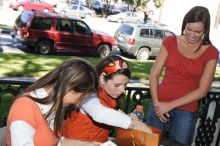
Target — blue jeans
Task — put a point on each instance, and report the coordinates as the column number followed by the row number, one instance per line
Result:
column 180, row 126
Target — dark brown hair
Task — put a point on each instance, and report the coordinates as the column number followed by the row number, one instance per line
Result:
column 198, row 14
column 73, row 74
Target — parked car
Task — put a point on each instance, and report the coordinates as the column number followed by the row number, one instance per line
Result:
column 112, row 10
column 46, row 33
column 77, row 11
column 141, row 40
column 129, row 17
column 31, row 5
column 98, row 6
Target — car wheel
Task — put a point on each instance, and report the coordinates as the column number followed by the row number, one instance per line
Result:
column 44, row 47
column 143, row 54
column 87, row 16
column 20, row 8
column 119, row 20
column 104, row 50
column 45, row 10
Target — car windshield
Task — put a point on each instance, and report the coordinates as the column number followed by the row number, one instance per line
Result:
column 126, row 29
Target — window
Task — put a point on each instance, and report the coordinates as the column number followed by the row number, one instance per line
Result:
column 41, row 23
column 168, row 33
column 126, row 29
column 74, row 7
column 144, row 33
column 81, row 28
column 158, row 33
column 22, row 20
column 64, row 25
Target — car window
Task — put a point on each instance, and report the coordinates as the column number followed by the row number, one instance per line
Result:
column 134, row 15
column 41, row 23
column 126, row 29
column 38, row 2
column 146, row 33
column 64, row 25
column 22, row 19
column 168, row 33
column 81, row 28
column 74, row 7
column 158, row 33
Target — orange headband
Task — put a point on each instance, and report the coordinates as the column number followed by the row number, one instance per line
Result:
column 115, row 66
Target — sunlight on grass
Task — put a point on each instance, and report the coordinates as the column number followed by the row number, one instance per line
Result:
column 217, row 75
column 34, row 65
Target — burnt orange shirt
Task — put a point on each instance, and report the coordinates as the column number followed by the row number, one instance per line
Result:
column 27, row 110
column 82, row 127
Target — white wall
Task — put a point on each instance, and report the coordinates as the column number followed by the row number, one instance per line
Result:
column 174, row 11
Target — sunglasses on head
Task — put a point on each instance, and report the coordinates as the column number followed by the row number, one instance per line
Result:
column 115, row 66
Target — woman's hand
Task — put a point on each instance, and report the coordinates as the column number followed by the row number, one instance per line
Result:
column 138, row 125
column 164, row 118
column 162, row 108
column 74, row 142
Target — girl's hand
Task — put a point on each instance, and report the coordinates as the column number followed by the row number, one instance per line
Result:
column 164, row 118
column 138, row 125
column 161, row 108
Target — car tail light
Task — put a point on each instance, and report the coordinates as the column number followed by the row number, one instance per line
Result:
column 131, row 41
column 25, row 32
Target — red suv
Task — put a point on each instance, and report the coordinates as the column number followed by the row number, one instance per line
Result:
column 35, row 5
column 49, row 32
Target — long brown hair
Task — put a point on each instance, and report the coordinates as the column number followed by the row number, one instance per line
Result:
column 73, row 74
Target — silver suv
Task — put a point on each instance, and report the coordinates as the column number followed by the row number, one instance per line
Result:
column 141, row 40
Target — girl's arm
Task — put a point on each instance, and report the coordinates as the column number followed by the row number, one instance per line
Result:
column 102, row 114
column 22, row 133
column 155, row 74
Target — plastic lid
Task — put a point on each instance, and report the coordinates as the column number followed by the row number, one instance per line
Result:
column 139, row 108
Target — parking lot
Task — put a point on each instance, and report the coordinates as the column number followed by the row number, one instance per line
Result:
column 8, row 16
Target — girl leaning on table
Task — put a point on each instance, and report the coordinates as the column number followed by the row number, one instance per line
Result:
column 35, row 118
column 96, row 115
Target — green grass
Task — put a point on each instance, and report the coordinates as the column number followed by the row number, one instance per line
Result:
column 2, row 26
column 34, row 65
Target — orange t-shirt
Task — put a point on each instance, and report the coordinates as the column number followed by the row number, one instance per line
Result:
column 182, row 74
column 82, row 127
column 27, row 110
